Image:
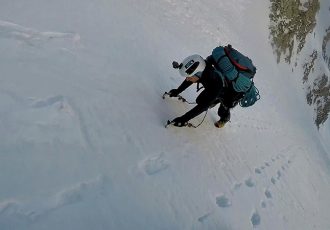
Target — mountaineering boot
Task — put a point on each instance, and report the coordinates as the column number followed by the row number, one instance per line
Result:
column 220, row 124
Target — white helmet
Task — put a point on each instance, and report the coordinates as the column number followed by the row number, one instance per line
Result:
column 192, row 65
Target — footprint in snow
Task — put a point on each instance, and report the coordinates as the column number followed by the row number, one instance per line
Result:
column 223, row 201
column 249, row 182
column 82, row 191
column 255, row 218
column 58, row 102
column 268, row 194
column 257, row 171
column 18, row 214
column 273, row 180
column 279, row 174
column 154, row 164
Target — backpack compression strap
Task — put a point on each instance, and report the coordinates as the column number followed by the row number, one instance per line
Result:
column 233, row 61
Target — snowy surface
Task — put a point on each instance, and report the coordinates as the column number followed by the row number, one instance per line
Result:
column 82, row 137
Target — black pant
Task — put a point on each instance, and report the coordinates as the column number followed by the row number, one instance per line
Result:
column 206, row 100
column 211, row 100
column 224, row 113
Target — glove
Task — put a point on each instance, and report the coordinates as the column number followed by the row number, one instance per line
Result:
column 179, row 122
column 173, row 93
column 176, row 65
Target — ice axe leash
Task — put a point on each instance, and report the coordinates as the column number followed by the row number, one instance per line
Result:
column 180, row 98
column 188, row 124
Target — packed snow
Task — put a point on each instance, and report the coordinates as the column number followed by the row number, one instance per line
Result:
column 83, row 143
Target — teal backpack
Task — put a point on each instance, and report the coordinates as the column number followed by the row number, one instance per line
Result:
column 238, row 70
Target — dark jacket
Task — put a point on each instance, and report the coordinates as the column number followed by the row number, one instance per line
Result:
column 216, row 90
column 216, row 86
column 210, row 80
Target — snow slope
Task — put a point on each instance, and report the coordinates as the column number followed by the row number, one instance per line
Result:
column 83, row 143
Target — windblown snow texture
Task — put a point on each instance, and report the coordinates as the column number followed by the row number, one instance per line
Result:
column 82, row 137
